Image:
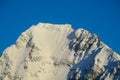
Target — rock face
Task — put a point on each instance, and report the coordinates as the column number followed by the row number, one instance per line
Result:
column 57, row 52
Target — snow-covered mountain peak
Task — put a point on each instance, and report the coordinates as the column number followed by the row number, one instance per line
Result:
column 58, row 52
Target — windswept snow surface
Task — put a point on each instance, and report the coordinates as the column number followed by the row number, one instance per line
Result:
column 57, row 52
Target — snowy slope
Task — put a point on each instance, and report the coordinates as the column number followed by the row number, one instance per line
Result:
column 57, row 52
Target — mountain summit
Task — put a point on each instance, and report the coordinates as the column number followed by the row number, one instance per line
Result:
column 57, row 52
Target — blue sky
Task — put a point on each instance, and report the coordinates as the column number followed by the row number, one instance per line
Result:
column 97, row 16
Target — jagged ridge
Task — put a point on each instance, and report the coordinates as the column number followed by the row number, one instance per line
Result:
column 57, row 52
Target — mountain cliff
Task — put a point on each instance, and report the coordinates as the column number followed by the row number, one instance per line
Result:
column 57, row 52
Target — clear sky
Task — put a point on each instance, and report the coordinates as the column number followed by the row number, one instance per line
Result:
column 97, row 16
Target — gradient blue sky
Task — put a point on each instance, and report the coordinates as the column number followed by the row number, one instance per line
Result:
column 97, row 16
